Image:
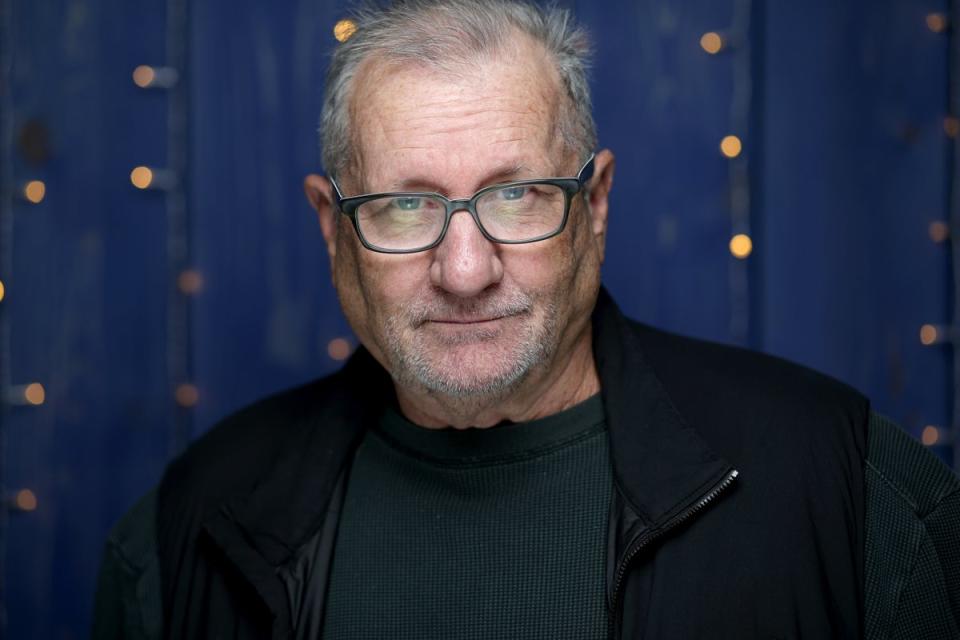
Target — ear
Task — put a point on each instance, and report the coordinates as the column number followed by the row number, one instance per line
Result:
column 322, row 198
column 598, row 196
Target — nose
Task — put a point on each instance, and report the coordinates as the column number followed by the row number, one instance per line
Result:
column 465, row 263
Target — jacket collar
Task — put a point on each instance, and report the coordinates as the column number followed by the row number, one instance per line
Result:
column 660, row 462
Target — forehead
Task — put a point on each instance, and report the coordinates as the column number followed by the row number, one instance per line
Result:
column 412, row 120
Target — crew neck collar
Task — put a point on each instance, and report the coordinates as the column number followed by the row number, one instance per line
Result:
column 507, row 440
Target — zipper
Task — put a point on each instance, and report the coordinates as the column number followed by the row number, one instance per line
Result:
column 645, row 540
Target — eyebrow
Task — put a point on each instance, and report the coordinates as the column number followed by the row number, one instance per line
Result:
column 506, row 173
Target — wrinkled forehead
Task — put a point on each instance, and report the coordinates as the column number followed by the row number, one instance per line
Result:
column 506, row 102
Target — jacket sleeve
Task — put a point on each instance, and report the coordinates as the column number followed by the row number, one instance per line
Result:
column 912, row 572
column 128, row 602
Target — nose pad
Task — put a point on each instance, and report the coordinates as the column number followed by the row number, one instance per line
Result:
column 465, row 263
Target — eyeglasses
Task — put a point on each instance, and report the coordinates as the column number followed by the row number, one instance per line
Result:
column 510, row 213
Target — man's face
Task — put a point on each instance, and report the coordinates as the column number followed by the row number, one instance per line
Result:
column 469, row 319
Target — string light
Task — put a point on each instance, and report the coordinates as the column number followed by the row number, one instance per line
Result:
column 738, row 33
column 141, row 177
column 937, row 22
column 190, row 282
column 339, row 349
column 712, row 42
column 187, row 395
column 930, row 435
column 939, row 231
column 344, row 29
column 35, row 191
column 169, row 180
column 143, row 76
column 741, row 246
column 144, row 177
column 951, row 126
column 34, row 394
column 25, row 500
column 929, row 335
column 731, row 146
column 148, row 77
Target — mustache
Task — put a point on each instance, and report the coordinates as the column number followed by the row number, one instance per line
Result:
column 444, row 306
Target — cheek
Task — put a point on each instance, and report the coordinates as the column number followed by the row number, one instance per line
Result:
column 348, row 283
column 392, row 280
column 371, row 286
column 546, row 271
column 550, row 265
column 566, row 270
column 586, row 279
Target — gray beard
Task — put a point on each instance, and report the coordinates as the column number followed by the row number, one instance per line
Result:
column 414, row 368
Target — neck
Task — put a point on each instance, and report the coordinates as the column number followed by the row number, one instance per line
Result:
column 544, row 392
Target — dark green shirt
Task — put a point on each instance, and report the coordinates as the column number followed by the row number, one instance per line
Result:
column 480, row 533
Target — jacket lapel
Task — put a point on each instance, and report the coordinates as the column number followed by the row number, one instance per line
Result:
column 661, row 465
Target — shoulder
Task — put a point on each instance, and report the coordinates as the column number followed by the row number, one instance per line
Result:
column 906, row 472
column 746, row 404
column 131, row 541
column 766, row 386
column 749, row 405
column 233, row 454
column 713, row 383
column 261, row 440
column 912, row 574
column 127, row 601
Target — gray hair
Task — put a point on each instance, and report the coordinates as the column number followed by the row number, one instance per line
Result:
column 446, row 34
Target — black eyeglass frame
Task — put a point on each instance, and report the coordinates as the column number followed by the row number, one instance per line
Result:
column 570, row 186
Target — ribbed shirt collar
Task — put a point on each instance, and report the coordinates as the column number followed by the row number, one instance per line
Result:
column 507, row 440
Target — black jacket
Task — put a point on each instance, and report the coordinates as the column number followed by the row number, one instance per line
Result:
column 739, row 507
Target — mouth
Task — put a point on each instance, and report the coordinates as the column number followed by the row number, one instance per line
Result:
column 474, row 321
column 465, row 321
column 466, row 331
column 481, row 314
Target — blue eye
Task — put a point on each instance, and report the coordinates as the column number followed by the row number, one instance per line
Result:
column 513, row 193
column 407, row 204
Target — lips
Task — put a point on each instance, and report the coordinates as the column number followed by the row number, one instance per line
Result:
column 465, row 320
column 466, row 315
column 474, row 320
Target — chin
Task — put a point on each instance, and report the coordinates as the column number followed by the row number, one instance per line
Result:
column 470, row 370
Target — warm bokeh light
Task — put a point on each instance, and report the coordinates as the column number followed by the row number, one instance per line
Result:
column 951, row 126
column 190, row 282
column 930, row 435
column 34, row 393
column 939, row 231
column 928, row 334
column 741, row 246
column 3, row 291
column 344, row 29
column 339, row 349
column 25, row 500
column 711, row 42
column 731, row 146
column 937, row 22
column 187, row 395
column 35, row 191
column 141, row 177
column 143, row 76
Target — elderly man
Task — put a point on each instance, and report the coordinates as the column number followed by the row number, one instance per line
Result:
column 507, row 456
